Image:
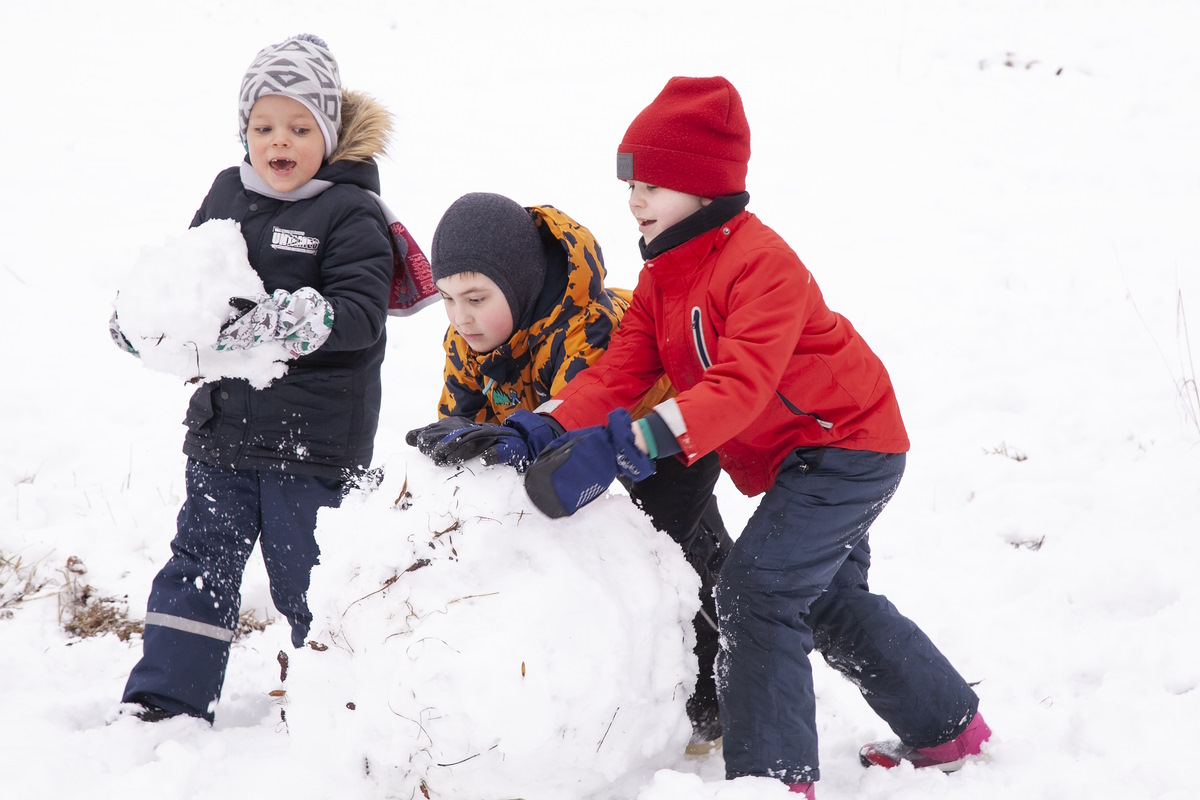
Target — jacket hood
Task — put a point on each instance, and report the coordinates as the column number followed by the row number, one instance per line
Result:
column 585, row 266
column 584, row 286
column 366, row 128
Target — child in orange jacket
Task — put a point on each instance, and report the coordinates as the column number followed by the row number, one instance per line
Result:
column 524, row 291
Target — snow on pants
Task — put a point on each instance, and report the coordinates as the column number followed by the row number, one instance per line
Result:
column 195, row 599
column 797, row 579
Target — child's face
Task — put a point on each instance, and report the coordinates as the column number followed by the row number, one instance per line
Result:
column 285, row 145
column 477, row 309
column 657, row 209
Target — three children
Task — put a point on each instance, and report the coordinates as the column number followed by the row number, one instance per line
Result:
column 725, row 352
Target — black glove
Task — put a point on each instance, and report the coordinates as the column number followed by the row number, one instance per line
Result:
column 425, row 438
column 516, row 442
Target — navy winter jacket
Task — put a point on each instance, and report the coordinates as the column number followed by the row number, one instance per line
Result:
column 319, row 418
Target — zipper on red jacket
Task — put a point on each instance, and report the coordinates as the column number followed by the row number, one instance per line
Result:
column 698, row 338
column 792, row 407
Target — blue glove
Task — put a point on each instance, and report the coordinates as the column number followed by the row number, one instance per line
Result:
column 579, row 466
column 516, row 442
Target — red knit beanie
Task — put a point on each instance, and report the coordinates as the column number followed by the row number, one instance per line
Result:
column 693, row 138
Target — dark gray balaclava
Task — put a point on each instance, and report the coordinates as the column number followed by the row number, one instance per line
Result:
column 492, row 235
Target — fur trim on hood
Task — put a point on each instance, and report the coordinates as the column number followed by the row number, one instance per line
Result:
column 366, row 128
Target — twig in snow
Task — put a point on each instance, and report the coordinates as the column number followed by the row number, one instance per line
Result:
column 609, row 728
column 1185, row 385
column 1188, row 388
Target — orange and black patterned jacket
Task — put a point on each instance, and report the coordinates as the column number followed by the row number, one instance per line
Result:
column 538, row 361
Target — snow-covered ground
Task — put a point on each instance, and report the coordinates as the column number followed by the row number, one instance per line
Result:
column 1001, row 196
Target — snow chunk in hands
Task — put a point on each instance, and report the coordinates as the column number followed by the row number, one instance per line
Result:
column 176, row 298
column 481, row 650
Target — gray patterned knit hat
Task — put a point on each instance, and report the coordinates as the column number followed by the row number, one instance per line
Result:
column 303, row 69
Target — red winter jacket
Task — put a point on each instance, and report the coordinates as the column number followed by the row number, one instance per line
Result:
column 762, row 365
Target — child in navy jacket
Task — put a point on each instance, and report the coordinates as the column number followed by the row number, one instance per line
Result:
column 262, row 462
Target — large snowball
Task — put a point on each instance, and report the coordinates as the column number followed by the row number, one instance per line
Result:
column 175, row 299
column 478, row 650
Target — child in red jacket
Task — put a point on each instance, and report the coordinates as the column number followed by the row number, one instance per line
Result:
column 796, row 405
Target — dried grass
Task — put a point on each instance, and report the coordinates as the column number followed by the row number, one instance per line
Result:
column 83, row 615
column 82, row 612
column 18, row 583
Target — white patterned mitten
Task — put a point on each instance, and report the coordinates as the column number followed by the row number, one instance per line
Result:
column 302, row 320
column 118, row 336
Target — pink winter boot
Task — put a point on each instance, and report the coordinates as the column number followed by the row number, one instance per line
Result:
column 806, row 789
column 947, row 757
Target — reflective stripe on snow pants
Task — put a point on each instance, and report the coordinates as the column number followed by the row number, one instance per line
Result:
column 195, row 599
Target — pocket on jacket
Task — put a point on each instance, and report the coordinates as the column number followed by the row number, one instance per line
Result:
column 200, row 409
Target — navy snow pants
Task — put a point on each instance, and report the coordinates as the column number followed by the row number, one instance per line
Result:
column 797, row 580
column 195, row 599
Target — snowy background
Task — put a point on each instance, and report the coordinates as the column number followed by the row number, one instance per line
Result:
column 1002, row 196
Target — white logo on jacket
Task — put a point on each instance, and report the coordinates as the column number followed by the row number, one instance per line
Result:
column 294, row 241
